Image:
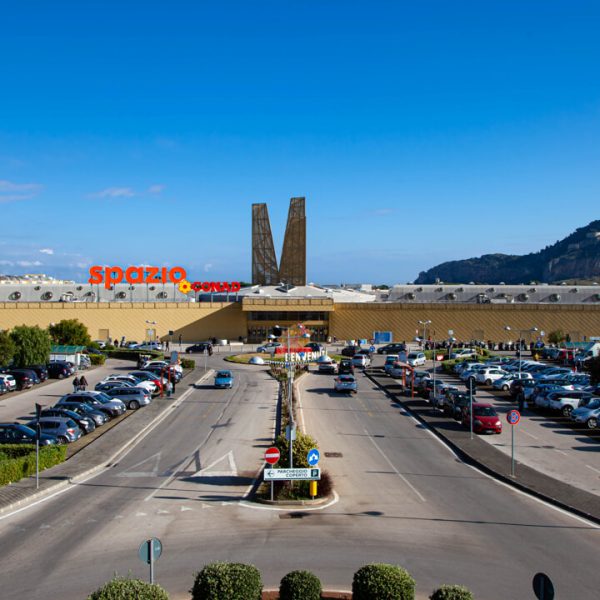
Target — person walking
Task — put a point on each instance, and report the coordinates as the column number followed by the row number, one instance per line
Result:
column 76, row 384
column 82, row 383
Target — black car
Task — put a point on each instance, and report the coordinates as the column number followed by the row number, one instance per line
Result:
column 29, row 372
column 57, row 370
column 40, row 370
column 314, row 347
column 350, row 350
column 345, row 367
column 15, row 433
column 85, row 410
column 201, row 348
column 392, row 349
column 86, row 424
column 23, row 378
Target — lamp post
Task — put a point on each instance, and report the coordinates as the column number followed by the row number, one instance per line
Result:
column 521, row 332
column 424, row 325
column 148, row 330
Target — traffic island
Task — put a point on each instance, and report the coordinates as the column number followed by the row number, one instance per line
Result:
column 487, row 458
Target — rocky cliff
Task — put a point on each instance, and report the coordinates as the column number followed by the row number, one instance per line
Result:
column 576, row 257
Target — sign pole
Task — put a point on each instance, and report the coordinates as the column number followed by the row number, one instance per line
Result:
column 151, row 554
column 471, row 382
column 512, row 451
column 38, row 433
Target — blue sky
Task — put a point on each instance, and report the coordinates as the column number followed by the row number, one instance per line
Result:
column 419, row 132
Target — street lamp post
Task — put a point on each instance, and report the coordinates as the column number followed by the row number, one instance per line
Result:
column 147, row 337
column 521, row 332
column 424, row 324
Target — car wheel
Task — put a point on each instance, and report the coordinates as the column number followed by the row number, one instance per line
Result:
column 591, row 423
column 134, row 405
column 488, row 382
column 505, row 388
column 61, row 376
column 566, row 411
column 62, row 440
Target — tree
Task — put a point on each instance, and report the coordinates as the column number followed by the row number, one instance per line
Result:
column 32, row 345
column 556, row 337
column 7, row 348
column 70, row 332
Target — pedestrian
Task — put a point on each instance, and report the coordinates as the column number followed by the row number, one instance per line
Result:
column 76, row 384
column 82, row 383
column 123, row 342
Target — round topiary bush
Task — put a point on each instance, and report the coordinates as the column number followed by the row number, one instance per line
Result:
column 451, row 592
column 300, row 585
column 227, row 581
column 121, row 588
column 382, row 582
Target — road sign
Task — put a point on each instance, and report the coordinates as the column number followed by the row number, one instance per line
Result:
column 150, row 550
column 371, row 349
column 272, row 455
column 439, row 357
column 513, row 417
column 542, row 586
column 289, row 474
column 313, row 457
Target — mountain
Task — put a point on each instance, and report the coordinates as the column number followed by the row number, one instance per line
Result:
column 577, row 257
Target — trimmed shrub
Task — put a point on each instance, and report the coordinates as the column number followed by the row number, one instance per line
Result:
column 19, row 461
column 121, row 588
column 302, row 445
column 451, row 592
column 380, row 581
column 188, row 363
column 97, row 359
column 227, row 581
column 300, row 585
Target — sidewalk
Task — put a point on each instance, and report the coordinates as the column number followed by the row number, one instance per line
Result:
column 488, row 458
column 102, row 451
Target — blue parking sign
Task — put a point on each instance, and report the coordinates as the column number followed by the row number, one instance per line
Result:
column 313, row 457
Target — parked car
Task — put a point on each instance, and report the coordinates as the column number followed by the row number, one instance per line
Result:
column 9, row 381
column 97, row 400
column 15, row 433
column 149, row 376
column 150, row 346
column 200, row 347
column 3, row 387
column 588, row 415
column 488, row 375
column 392, row 349
column 85, row 423
column 565, row 401
column 85, row 410
column 314, row 347
column 163, row 364
column 504, row 383
column 23, row 380
column 58, row 370
column 485, row 418
column 132, row 397
column 40, row 370
column 68, row 365
column 456, row 405
column 224, row 379
column 416, row 359
column 462, row 353
column 350, row 350
column 151, row 386
column 104, row 386
column 65, row 430
column 361, row 361
column 269, row 348
column 390, row 360
column 345, row 383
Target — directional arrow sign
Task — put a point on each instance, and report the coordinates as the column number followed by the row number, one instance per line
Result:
column 313, row 457
column 288, row 474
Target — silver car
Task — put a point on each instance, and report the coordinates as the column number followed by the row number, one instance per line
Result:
column 132, row 397
column 98, row 400
column 345, row 383
column 65, row 430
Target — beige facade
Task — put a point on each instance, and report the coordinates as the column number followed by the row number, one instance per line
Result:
column 198, row 321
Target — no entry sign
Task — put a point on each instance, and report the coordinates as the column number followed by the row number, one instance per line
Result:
column 272, row 455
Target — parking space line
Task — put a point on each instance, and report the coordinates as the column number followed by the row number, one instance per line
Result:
column 529, row 434
column 593, row 468
column 560, row 452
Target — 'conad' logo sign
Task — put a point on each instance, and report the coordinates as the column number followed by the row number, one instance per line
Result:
column 156, row 275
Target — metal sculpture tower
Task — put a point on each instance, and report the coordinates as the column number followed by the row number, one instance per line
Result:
column 292, row 270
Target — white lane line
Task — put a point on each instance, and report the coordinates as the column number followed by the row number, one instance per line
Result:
column 560, row 452
column 529, row 434
column 389, row 462
column 592, row 468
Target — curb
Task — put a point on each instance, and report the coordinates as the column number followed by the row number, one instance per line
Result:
column 293, row 503
column 469, row 459
column 57, row 487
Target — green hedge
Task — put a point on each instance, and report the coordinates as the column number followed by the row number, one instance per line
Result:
column 227, row 581
column 451, row 592
column 188, row 363
column 97, row 359
column 18, row 461
column 379, row 581
column 131, row 353
column 129, row 589
column 300, row 585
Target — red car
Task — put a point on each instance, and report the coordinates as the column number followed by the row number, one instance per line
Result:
column 485, row 418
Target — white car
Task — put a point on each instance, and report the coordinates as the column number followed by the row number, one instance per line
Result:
column 464, row 353
column 472, row 372
column 416, row 359
column 9, row 381
column 163, row 364
column 150, row 346
column 588, row 415
column 269, row 348
column 134, row 381
column 361, row 361
column 489, row 375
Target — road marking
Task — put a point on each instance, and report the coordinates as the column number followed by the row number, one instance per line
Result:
column 529, row 434
column 162, row 512
column 560, row 452
column 141, row 514
column 232, row 472
column 389, row 462
column 153, row 473
column 184, row 508
column 592, row 468
column 255, row 506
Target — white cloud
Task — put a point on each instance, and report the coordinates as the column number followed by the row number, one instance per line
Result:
column 29, row 263
column 156, row 189
column 114, row 192
column 207, row 267
column 13, row 192
column 7, row 263
column 46, row 251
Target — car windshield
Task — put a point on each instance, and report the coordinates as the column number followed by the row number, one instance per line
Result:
column 484, row 411
column 26, row 430
column 593, row 403
column 224, row 374
column 346, row 379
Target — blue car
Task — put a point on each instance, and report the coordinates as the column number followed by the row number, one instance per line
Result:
column 224, row 379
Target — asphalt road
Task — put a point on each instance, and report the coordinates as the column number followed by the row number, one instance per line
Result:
column 404, row 499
